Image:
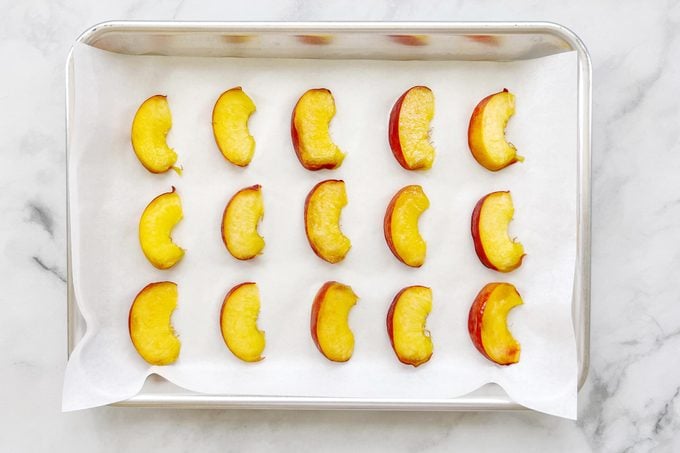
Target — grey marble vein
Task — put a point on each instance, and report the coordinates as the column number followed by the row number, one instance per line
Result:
column 51, row 269
column 42, row 217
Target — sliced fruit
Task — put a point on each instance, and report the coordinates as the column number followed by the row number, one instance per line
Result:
column 486, row 133
column 323, row 207
column 309, row 130
column 149, row 323
column 409, row 129
column 329, row 323
column 155, row 226
column 238, row 322
column 239, row 223
column 401, row 225
column 406, row 325
column 490, row 220
column 487, row 323
column 150, row 127
column 230, row 126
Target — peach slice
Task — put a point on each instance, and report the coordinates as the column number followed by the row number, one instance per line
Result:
column 329, row 322
column 487, row 323
column 150, row 127
column 155, row 226
column 401, row 225
column 239, row 223
column 323, row 207
column 309, row 130
column 490, row 220
column 238, row 322
column 406, row 325
column 486, row 133
column 230, row 126
column 149, row 323
column 409, row 129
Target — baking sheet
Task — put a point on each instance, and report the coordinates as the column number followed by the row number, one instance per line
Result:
column 110, row 189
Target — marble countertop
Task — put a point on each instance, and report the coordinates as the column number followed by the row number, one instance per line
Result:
column 630, row 401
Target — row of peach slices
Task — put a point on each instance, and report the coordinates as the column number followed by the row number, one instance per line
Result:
column 323, row 206
column 408, row 132
column 155, row 340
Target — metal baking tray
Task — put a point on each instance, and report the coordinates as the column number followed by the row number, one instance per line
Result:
column 483, row 41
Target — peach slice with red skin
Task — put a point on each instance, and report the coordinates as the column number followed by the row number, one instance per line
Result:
column 238, row 322
column 150, row 325
column 230, row 126
column 155, row 226
column 401, row 225
column 487, row 323
column 406, row 325
column 490, row 220
column 329, row 321
column 150, row 127
column 409, row 129
column 486, row 132
column 239, row 223
column 309, row 130
column 323, row 207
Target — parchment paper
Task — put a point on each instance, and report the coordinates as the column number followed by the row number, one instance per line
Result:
column 110, row 188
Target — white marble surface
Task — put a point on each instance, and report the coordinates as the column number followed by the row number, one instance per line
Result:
column 630, row 402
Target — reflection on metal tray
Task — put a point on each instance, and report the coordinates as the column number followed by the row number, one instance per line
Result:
column 483, row 41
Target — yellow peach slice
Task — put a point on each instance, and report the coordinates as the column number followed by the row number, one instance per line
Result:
column 155, row 226
column 409, row 129
column 149, row 323
column 490, row 220
column 323, row 207
column 150, row 127
column 487, row 323
column 230, row 126
column 486, row 132
column 309, row 130
column 239, row 223
column 401, row 225
column 329, row 322
column 406, row 325
column 238, row 322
